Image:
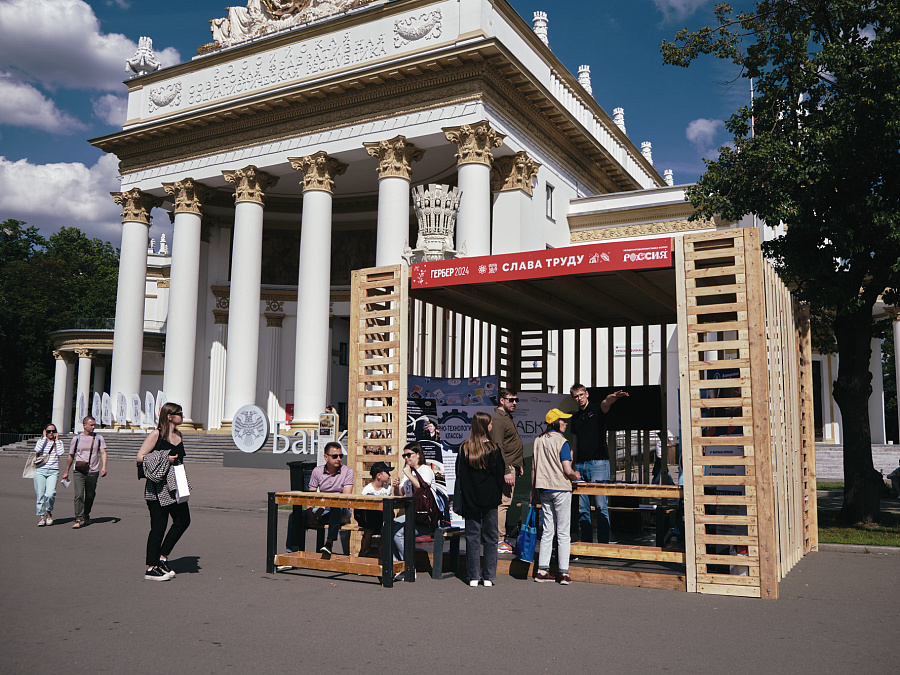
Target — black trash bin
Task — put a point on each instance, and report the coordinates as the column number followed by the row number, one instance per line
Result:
column 301, row 472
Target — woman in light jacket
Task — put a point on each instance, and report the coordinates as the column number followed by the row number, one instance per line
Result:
column 551, row 480
column 46, row 475
column 160, row 451
column 480, row 479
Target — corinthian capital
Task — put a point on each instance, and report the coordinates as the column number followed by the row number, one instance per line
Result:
column 250, row 184
column 189, row 195
column 395, row 157
column 85, row 353
column 319, row 171
column 474, row 142
column 514, row 172
column 136, row 205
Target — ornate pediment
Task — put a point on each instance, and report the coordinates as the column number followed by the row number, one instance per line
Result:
column 264, row 17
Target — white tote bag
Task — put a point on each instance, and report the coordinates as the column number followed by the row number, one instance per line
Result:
column 182, row 491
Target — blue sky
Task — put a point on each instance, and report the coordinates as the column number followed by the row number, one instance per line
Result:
column 62, row 64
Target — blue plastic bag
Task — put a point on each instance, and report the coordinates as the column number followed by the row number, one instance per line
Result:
column 527, row 540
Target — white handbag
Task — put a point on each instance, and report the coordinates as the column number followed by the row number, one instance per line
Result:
column 182, row 490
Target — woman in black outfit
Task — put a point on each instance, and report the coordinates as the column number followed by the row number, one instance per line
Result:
column 160, row 451
column 479, row 481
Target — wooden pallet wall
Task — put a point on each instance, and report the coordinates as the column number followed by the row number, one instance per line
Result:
column 379, row 348
column 807, row 434
column 729, row 502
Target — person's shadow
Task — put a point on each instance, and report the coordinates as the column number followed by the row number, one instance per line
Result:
column 94, row 521
column 189, row 564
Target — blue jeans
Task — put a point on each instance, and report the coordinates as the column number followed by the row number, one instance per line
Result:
column 400, row 536
column 595, row 470
column 45, row 489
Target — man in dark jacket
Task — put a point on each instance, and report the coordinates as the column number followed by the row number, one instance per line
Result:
column 505, row 435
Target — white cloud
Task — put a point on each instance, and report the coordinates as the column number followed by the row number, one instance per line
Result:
column 124, row 4
column 22, row 105
column 701, row 133
column 50, row 196
column 111, row 109
column 678, row 9
column 59, row 42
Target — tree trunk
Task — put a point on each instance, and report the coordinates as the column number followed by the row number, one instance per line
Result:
column 862, row 483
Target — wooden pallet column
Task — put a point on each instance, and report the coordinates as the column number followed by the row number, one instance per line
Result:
column 730, row 536
column 379, row 335
column 808, row 433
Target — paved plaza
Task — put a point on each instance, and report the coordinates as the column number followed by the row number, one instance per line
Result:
column 75, row 601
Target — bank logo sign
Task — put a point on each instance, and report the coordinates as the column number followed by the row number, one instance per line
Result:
column 250, row 428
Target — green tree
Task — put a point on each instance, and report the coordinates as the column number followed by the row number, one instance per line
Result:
column 45, row 285
column 823, row 160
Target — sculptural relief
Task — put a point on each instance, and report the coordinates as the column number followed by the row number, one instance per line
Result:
column 261, row 17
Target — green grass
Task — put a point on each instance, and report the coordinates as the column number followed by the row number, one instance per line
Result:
column 884, row 533
column 834, row 486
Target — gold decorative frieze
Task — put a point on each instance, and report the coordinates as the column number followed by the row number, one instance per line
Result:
column 274, row 320
column 273, row 305
column 474, row 142
column 514, row 172
column 395, row 157
column 250, row 184
column 189, row 195
column 221, row 294
column 273, row 296
column 319, row 171
column 162, row 283
column 220, row 317
column 136, row 205
column 643, row 229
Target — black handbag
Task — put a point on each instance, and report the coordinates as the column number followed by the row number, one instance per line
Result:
column 427, row 512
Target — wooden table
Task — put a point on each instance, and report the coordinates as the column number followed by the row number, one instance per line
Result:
column 386, row 569
column 628, row 552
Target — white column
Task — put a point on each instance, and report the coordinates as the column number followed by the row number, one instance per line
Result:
column 896, row 359
column 274, row 320
column 246, row 268
column 876, row 400
column 217, row 354
column 62, row 394
column 512, row 178
column 473, row 160
column 84, row 385
column 395, row 158
column 312, row 353
column 128, row 337
column 68, row 409
column 184, row 283
column 100, row 378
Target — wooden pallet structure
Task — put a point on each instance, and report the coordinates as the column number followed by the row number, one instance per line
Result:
column 378, row 355
column 744, row 362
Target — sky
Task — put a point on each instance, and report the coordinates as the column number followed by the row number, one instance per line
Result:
column 62, row 68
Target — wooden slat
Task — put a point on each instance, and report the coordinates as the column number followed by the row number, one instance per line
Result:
column 336, row 563
column 627, row 552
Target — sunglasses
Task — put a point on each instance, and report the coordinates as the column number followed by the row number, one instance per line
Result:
column 407, row 455
column 333, row 456
column 52, row 431
column 178, row 412
column 512, row 399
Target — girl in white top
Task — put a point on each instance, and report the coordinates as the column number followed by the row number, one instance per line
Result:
column 46, row 475
column 415, row 463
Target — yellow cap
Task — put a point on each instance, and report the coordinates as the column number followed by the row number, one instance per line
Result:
column 555, row 414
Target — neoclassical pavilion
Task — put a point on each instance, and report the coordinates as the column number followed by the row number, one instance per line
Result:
column 286, row 152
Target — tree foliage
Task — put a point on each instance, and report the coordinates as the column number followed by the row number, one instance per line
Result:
column 45, row 285
column 825, row 161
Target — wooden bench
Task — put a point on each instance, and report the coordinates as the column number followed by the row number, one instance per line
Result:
column 347, row 564
column 441, row 534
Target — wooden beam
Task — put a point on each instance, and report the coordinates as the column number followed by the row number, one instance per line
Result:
column 648, row 288
column 555, row 303
column 581, row 287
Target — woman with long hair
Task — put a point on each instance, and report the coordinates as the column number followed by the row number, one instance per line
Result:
column 416, row 473
column 160, row 451
column 479, row 481
column 551, row 479
column 46, row 475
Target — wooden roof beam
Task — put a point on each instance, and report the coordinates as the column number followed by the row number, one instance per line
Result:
column 648, row 288
column 471, row 292
column 581, row 287
column 555, row 303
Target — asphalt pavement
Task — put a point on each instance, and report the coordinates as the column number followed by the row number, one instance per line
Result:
column 75, row 601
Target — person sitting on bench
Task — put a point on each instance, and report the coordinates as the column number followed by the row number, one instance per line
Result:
column 330, row 477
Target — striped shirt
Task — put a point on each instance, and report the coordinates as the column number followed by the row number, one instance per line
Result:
column 46, row 446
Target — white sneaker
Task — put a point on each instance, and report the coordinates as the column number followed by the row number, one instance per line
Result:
column 488, row 583
column 42, row 521
column 473, row 583
column 48, row 519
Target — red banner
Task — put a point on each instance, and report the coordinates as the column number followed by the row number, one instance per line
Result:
column 554, row 262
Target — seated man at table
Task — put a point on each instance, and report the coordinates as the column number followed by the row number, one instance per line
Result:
column 330, row 477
